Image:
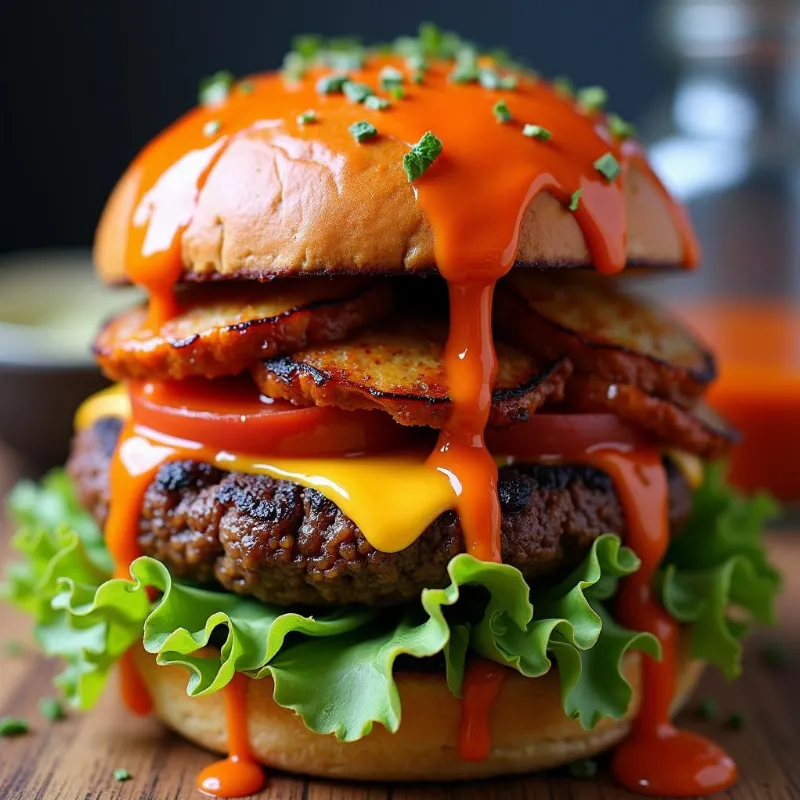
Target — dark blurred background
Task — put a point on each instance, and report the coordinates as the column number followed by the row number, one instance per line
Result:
column 88, row 83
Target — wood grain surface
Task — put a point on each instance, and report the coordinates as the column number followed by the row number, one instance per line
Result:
column 74, row 759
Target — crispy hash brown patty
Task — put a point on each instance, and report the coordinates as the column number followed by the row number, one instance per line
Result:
column 285, row 544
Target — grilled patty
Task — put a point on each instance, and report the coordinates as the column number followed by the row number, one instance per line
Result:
column 282, row 543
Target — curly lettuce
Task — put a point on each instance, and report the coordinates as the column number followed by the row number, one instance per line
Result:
column 336, row 668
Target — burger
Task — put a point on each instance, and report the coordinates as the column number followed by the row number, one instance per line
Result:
column 400, row 479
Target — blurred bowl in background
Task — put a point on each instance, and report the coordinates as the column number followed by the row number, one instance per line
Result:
column 51, row 306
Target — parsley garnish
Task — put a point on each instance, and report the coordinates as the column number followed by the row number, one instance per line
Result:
column 211, row 127
column 421, row 156
column 333, row 83
column 390, row 77
column 563, row 86
column 491, row 79
column 397, row 92
column 306, row 117
column 362, row 131
column 592, row 98
column 307, row 44
column 706, row 708
column 12, row 726
column 537, row 132
column 501, row 112
column 583, row 769
column 466, row 68
column 575, row 200
column 121, row 775
column 356, row 92
column 620, row 128
column 51, row 709
column 377, row 103
column 247, row 87
column 215, row 89
column 608, row 167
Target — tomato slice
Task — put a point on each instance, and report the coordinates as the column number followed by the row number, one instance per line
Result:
column 562, row 437
column 229, row 414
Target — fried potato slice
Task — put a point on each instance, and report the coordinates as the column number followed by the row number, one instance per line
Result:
column 700, row 430
column 605, row 332
column 222, row 329
column 398, row 368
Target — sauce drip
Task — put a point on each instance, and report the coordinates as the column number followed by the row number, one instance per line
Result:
column 239, row 774
column 474, row 197
column 482, row 684
column 657, row 758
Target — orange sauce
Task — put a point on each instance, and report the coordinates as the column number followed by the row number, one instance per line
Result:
column 483, row 681
column 657, row 758
column 474, row 196
column 239, row 774
column 758, row 391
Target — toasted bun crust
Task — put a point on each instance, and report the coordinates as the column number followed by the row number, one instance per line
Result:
column 272, row 197
column 529, row 729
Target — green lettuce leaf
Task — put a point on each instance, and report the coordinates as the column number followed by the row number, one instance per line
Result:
column 335, row 668
column 716, row 575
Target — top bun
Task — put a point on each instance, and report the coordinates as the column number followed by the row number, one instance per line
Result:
column 240, row 187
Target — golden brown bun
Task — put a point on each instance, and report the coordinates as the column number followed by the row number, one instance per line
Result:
column 269, row 208
column 529, row 729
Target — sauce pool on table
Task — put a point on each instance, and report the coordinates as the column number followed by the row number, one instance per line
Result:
column 474, row 197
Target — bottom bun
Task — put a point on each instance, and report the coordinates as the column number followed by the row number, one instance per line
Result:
column 529, row 729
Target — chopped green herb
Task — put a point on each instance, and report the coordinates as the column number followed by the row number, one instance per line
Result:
column 307, row 45
column 417, row 62
column 397, row 92
column 306, row 117
column 333, row 83
column 735, row 721
column 51, row 709
column 774, row 655
column 582, row 770
column 575, row 200
column 247, row 87
column 489, row 79
column 356, row 92
column 564, row 86
column 502, row 112
column 377, row 103
column 537, row 132
column 501, row 57
column 362, row 131
column 421, row 156
column 215, row 89
column 466, row 67
column 619, row 127
column 211, row 127
column 608, row 167
column 592, row 98
column 430, row 38
column 13, row 648
column 508, row 82
column 12, row 726
column 121, row 775
column 389, row 78
column 294, row 66
column 706, row 708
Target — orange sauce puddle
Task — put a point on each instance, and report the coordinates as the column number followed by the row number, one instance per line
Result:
column 657, row 758
column 483, row 681
column 239, row 774
column 474, row 197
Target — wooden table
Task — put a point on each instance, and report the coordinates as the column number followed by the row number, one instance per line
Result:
column 74, row 759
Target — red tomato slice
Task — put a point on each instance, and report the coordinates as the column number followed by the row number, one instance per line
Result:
column 229, row 414
column 562, row 436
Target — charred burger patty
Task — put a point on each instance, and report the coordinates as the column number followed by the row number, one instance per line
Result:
column 286, row 544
